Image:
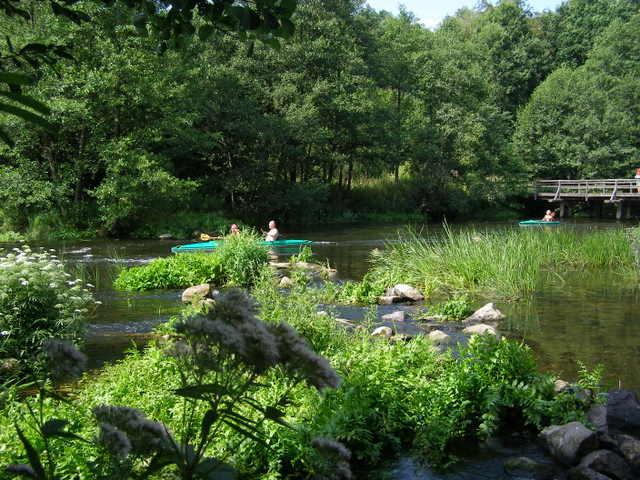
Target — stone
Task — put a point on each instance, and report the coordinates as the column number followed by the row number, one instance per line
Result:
column 480, row 329
column 322, row 313
column 165, row 236
column 438, row 337
column 308, row 266
column 401, row 337
column 623, row 412
column 331, row 273
column 597, row 417
column 521, row 466
column 346, row 323
column 560, row 386
column 9, row 365
column 382, row 332
column 607, row 463
column 280, row 265
column 397, row 316
column 208, row 303
column 196, row 293
column 567, row 443
column 583, row 473
column 389, row 299
column 629, row 447
column 285, row 282
column 487, row 313
column 406, row 292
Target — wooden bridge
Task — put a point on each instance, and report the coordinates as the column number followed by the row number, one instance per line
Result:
column 620, row 191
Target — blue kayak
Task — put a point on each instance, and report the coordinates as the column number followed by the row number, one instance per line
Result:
column 533, row 223
column 212, row 245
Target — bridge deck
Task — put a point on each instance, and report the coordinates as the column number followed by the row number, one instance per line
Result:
column 611, row 190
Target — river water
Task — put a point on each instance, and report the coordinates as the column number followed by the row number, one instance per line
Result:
column 578, row 317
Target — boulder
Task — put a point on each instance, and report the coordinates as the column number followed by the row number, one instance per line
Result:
column 623, row 412
column 196, row 293
column 583, row 473
column 331, row 273
column 488, row 313
column 9, row 365
column 389, row 299
column 382, row 332
column 208, row 303
column 285, row 282
column 165, row 236
column 397, row 316
column 607, row 463
column 560, row 386
column 345, row 323
column 597, row 417
column 322, row 313
column 480, row 329
column 406, row 292
column 438, row 337
column 401, row 337
column 308, row 266
column 525, row 466
column 567, row 443
column 280, row 265
column 629, row 447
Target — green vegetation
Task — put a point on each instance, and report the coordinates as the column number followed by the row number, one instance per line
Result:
column 38, row 300
column 236, row 262
column 506, row 264
column 457, row 308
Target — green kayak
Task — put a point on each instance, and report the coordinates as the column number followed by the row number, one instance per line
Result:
column 528, row 223
column 212, row 245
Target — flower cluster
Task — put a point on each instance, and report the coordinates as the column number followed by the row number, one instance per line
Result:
column 125, row 430
column 231, row 328
column 38, row 300
column 336, row 455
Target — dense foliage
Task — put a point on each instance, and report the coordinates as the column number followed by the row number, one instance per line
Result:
column 357, row 112
column 38, row 300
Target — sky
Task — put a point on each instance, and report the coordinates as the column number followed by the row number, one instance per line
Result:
column 431, row 12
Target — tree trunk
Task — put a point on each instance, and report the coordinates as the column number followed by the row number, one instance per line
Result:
column 349, row 175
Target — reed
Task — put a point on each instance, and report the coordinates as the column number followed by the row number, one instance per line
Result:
column 507, row 264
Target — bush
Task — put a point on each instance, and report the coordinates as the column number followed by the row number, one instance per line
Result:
column 185, row 224
column 236, row 262
column 37, row 301
column 456, row 308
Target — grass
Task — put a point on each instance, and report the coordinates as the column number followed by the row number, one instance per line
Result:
column 506, row 264
column 235, row 263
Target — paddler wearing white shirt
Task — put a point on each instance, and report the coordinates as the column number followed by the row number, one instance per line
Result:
column 273, row 233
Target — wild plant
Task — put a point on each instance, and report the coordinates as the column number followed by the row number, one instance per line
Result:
column 456, row 308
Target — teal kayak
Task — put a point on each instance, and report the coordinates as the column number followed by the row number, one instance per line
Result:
column 527, row 223
column 212, row 245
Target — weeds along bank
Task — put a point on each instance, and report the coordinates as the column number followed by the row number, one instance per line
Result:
column 507, row 264
column 282, row 418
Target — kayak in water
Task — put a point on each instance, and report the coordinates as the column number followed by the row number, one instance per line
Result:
column 527, row 223
column 212, row 245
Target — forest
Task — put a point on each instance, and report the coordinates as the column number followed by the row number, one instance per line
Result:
column 356, row 113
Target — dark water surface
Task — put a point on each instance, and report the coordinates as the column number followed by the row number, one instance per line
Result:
column 591, row 318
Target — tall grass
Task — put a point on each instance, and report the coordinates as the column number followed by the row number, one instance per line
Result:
column 506, row 264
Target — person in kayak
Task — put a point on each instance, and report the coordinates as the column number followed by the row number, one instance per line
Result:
column 549, row 216
column 234, row 230
column 273, row 234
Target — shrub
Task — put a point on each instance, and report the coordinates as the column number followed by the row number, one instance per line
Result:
column 185, row 224
column 38, row 300
column 236, row 261
column 456, row 308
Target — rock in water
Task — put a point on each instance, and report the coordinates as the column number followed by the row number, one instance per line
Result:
column 567, row 443
column 607, row 463
column 438, row 337
column 524, row 466
column 480, row 329
column 389, row 299
column 382, row 332
column 286, row 282
column 406, row 292
column 560, row 386
column 597, row 416
column 165, row 236
column 579, row 473
column 488, row 313
column 196, row 293
column 623, row 412
column 629, row 447
column 397, row 316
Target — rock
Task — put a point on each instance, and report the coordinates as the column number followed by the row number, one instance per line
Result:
column 322, row 313
column 607, row 463
column 401, row 337
column 165, row 236
column 480, row 329
column 623, row 412
column 567, row 443
column 389, row 299
column 597, row 417
column 582, row 473
column 397, row 316
column 438, row 337
column 280, row 265
column 331, row 273
column 208, row 303
column 382, row 332
column 285, row 282
column 346, row 323
column 196, row 293
column 406, row 292
column 560, row 386
column 629, row 447
column 308, row 266
column 521, row 466
column 488, row 313
column 9, row 365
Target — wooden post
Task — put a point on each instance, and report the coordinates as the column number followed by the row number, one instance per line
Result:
column 564, row 210
column 619, row 209
column 627, row 212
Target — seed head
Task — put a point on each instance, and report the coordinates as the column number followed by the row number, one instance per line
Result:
column 64, row 360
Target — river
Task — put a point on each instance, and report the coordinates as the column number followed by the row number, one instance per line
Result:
column 591, row 318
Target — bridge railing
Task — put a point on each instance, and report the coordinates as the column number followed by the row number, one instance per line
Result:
column 614, row 189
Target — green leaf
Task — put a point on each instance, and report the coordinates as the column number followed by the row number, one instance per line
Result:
column 15, row 78
column 73, row 15
column 27, row 101
column 4, row 136
column 199, row 391
column 245, row 432
column 209, row 418
column 205, row 32
column 26, row 115
column 32, row 455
